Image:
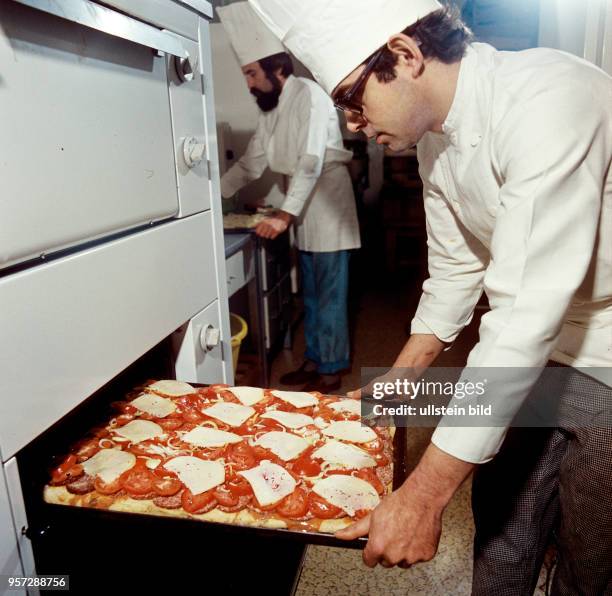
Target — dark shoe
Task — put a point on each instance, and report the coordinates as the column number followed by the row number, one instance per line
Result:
column 299, row 376
column 324, row 386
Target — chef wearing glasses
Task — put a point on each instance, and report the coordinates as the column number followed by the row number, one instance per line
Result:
column 298, row 135
column 514, row 150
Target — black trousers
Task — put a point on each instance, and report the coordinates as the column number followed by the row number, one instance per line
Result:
column 549, row 482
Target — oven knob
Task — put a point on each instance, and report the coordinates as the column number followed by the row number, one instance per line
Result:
column 185, row 68
column 193, row 151
column 210, row 338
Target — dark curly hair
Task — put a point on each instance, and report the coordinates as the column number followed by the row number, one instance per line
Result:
column 281, row 61
column 441, row 35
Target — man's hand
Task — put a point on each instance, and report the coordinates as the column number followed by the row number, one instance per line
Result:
column 405, row 528
column 273, row 226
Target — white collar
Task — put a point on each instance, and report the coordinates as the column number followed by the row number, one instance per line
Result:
column 286, row 91
column 462, row 99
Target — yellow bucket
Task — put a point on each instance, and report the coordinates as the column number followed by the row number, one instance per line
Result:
column 239, row 330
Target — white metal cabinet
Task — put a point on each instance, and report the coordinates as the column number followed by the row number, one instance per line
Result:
column 73, row 324
column 98, row 149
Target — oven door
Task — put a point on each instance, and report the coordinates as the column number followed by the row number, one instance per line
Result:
column 101, row 134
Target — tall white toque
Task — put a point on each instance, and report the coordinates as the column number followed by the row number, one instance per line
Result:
column 333, row 37
column 249, row 36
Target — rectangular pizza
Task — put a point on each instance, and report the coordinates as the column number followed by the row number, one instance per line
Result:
column 234, row 455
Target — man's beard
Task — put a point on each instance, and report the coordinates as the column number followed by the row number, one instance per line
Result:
column 267, row 101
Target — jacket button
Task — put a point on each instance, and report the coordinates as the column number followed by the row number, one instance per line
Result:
column 475, row 140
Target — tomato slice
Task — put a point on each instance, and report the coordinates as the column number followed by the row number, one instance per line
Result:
column 225, row 497
column 169, row 423
column 161, row 472
column 191, row 415
column 62, row 472
column 272, row 424
column 197, row 503
column 124, row 419
column 166, row 487
column 239, row 486
column 241, row 455
column 262, row 453
column 138, row 480
column 245, row 429
column 107, row 488
column 210, row 454
column 141, row 448
column 306, row 466
column 321, row 509
column 295, row 505
column 371, row 477
column 87, row 450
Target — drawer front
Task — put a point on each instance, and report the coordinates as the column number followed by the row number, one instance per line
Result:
column 74, row 324
column 87, row 145
column 240, row 268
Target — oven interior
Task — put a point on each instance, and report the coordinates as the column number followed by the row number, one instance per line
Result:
column 103, row 551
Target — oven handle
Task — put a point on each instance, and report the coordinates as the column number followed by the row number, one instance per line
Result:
column 90, row 14
column 36, row 532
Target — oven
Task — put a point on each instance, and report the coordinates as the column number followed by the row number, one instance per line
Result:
column 111, row 240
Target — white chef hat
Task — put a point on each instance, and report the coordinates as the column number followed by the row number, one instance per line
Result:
column 249, row 36
column 333, row 37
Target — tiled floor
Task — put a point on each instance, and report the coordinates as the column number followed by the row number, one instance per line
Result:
column 380, row 315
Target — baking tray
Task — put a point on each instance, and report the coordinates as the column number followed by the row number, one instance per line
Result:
column 306, row 537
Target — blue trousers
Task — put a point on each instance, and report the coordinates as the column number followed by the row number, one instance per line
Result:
column 325, row 281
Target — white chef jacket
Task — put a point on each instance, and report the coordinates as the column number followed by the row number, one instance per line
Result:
column 301, row 139
column 518, row 198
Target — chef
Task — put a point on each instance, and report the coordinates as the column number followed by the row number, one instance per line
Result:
column 298, row 135
column 514, row 151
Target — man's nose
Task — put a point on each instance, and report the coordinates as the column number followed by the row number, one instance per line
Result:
column 358, row 123
column 355, row 122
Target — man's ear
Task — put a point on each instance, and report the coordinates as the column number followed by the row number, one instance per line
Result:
column 407, row 51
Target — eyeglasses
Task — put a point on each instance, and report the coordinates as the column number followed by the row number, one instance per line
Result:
column 350, row 101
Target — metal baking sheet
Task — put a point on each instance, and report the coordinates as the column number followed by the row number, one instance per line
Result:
column 306, row 537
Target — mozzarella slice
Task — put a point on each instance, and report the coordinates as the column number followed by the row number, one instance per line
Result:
column 232, row 414
column 157, row 406
column 351, row 406
column 248, row 396
column 284, row 445
column 289, row 419
column 204, row 436
column 270, row 482
column 171, row 388
column 197, row 474
column 344, row 456
column 350, row 430
column 298, row 399
column 138, row 431
column 109, row 464
column 348, row 493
